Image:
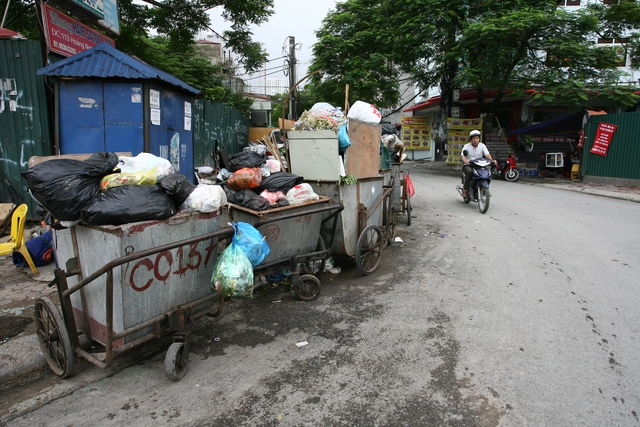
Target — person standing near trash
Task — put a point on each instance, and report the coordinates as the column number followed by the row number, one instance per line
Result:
column 474, row 149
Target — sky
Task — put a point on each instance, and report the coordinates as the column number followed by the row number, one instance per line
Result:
column 296, row 18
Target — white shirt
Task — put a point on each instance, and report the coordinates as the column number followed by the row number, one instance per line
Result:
column 475, row 152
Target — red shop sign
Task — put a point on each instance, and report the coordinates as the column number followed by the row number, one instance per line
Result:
column 66, row 36
column 603, row 138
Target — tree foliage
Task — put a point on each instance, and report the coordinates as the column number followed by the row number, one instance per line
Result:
column 179, row 20
column 351, row 50
column 182, row 20
column 506, row 46
column 191, row 68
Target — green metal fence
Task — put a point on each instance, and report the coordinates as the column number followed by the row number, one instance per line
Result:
column 24, row 118
column 217, row 126
column 622, row 156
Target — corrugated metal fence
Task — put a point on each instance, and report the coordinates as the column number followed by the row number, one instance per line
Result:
column 24, row 121
column 621, row 161
column 217, row 126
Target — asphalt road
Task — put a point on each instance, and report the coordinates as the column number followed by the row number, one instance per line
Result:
column 524, row 316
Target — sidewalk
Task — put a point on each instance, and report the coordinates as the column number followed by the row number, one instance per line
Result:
column 19, row 289
column 19, row 350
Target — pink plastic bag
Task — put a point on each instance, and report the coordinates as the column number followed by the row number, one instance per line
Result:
column 273, row 198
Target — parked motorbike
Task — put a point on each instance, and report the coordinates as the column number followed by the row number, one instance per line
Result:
column 508, row 171
column 479, row 186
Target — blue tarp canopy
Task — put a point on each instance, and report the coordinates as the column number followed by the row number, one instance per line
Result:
column 568, row 125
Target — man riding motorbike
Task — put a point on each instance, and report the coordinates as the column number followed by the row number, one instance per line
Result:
column 472, row 150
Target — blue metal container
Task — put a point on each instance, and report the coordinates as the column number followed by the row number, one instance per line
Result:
column 110, row 101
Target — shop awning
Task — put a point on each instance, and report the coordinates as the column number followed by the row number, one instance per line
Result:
column 568, row 125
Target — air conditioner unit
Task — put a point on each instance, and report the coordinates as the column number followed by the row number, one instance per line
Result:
column 260, row 119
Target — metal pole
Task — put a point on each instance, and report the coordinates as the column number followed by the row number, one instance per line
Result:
column 4, row 16
column 292, row 78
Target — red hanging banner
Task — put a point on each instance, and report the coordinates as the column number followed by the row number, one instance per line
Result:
column 603, row 138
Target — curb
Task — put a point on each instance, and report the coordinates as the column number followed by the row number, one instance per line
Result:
column 21, row 357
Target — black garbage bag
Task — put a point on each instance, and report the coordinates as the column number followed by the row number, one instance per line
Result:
column 63, row 186
column 247, row 198
column 279, row 181
column 245, row 159
column 128, row 203
column 176, row 186
column 388, row 129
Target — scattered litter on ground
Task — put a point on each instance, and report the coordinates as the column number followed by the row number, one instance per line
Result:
column 330, row 268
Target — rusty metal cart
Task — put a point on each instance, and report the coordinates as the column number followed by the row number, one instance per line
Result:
column 400, row 199
column 367, row 223
column 155, row 284
column 293, row 235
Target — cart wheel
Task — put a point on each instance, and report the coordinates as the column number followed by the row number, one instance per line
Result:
column 53, row 337
column 390, row 224
column 174, row 365
column 369, row 249
column 307, row 287
column 408, row 210
column 317, row 266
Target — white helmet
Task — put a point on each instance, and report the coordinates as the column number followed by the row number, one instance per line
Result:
column 474, row 133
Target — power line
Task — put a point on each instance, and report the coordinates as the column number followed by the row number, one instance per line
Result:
column 263, row 76
column 266, row 69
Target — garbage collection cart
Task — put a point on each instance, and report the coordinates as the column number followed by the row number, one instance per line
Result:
column 157, row 282
column 293, row 235
column 367, row 222
column 400, row 198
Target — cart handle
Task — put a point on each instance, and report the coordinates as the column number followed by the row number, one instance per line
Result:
column 225, row 232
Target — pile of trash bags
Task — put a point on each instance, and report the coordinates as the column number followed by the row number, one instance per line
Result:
column 255, row 182
column 321, row 116
column 105, row 189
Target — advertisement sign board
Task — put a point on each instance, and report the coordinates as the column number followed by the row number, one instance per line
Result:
column 66, row 36
column 415, row 133
column 458, row 135
column 111, row 21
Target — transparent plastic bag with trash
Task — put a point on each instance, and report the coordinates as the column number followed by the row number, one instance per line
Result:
column 233, row 275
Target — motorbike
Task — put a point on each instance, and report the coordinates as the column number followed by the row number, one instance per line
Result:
column 509, row 171
column 479, row 186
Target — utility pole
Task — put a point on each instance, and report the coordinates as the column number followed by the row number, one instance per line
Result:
column 293, row 101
